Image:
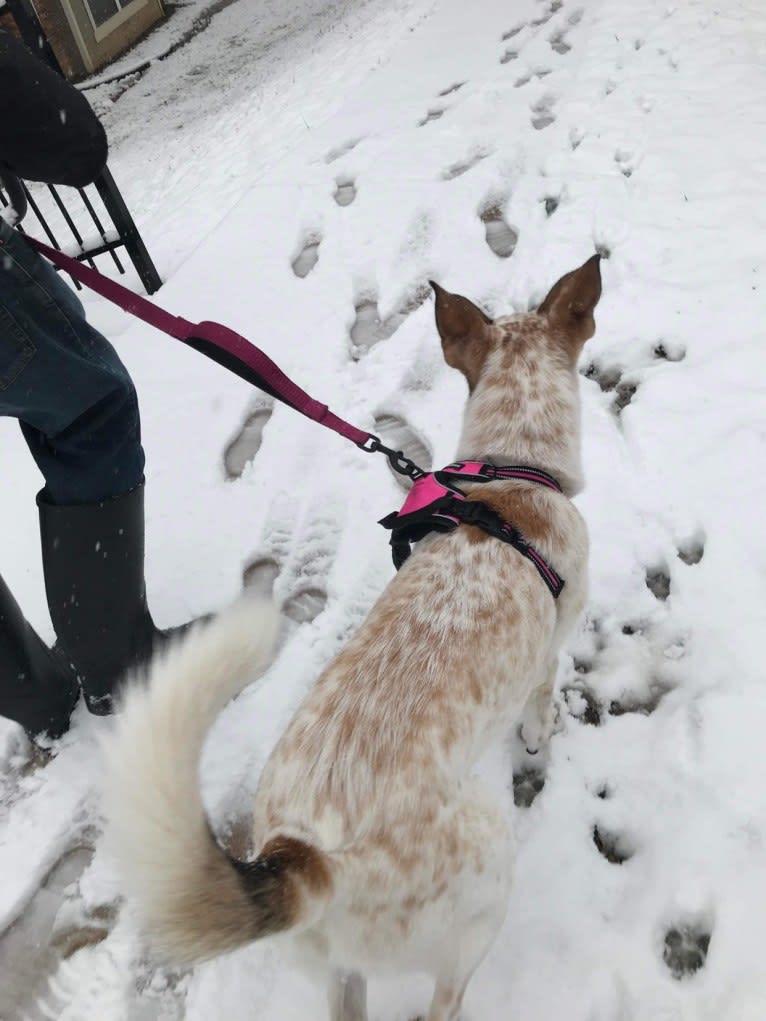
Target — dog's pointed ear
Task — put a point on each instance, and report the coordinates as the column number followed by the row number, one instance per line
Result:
column 571, row 301
column 464, row 331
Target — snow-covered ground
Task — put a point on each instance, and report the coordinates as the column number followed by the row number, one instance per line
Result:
column 300, row 177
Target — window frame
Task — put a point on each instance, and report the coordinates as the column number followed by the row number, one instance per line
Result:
column 127, row 8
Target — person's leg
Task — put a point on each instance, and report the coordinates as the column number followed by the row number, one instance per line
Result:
column 79, row 414
column 36, row 690
column 64, row 382
column 93, row 561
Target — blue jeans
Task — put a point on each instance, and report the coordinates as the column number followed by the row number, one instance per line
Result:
column 63, row 381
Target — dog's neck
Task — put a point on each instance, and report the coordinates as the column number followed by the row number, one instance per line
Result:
column 533, row 421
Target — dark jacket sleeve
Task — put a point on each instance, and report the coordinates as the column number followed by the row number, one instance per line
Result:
column 48, row 131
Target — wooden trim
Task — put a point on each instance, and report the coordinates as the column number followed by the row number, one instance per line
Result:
column 124, row 14
column 66, row 6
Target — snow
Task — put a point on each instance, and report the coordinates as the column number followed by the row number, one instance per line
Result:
column 343, row 130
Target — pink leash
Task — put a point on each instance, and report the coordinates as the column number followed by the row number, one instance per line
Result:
column 228, row 349
column 433, row 504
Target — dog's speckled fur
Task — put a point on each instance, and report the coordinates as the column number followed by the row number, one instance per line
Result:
column 380, row 850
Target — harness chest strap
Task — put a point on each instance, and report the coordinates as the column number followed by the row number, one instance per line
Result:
column 437, row 504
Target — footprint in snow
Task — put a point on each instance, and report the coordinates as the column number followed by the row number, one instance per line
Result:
column 499, row 235
column 345, row 191
column 669, row 351
column 260, row 574
column 246, row 443
column 616, row 848
column 307, row 256
column 34, row 946
column 305, row 605
column 610, row 379
column 635, row 627
column 633, row 643
column 551, row 204
column 539, row 73
column 511, row 33
column 544, row 18
column 625, row 391
column 625, row 162
column 542, row 112
column 398, row 434
column 658, row 582
column 693, row 550
column 341, row 150
column 368, row 328
column 312, row 558
column 526, row 786
column 559, row 43
column 452, row 88
column 643, row 705
column 261, row 571
column 463, row 166
column 685, row 948
column 508, row 56
column 581, row 703
column 302, row 577
column 433, row 115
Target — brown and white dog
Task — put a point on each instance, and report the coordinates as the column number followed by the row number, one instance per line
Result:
column 379, row 850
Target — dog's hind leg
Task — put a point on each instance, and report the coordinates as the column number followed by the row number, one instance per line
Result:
column 474, row 940
column 484, row 842
column 347, row 997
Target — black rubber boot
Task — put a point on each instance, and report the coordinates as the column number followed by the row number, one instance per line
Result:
column 36, row 689
column 93, row 559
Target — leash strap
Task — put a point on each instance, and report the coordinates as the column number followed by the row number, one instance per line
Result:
column 225, row 347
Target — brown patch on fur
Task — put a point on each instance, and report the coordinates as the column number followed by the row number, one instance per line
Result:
column 463, row 329
column 522, row 507
column 401, row 853
column 570, row 303
column 285, row 872
column 291, row 855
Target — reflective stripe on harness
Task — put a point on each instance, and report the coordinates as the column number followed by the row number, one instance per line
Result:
column 437, row 504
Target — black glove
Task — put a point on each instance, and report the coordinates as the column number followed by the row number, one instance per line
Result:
column 48, row 131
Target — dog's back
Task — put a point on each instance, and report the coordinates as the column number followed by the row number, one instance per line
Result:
column 375, row 763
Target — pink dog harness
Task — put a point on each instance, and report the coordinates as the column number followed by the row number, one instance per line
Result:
column 437, row 504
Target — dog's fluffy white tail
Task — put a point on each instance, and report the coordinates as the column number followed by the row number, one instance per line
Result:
column 194, row 899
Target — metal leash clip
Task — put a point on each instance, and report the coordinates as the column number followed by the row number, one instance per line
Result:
column 396, row 458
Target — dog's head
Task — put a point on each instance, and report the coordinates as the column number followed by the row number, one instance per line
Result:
column 521, row 373
column 472, row 342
